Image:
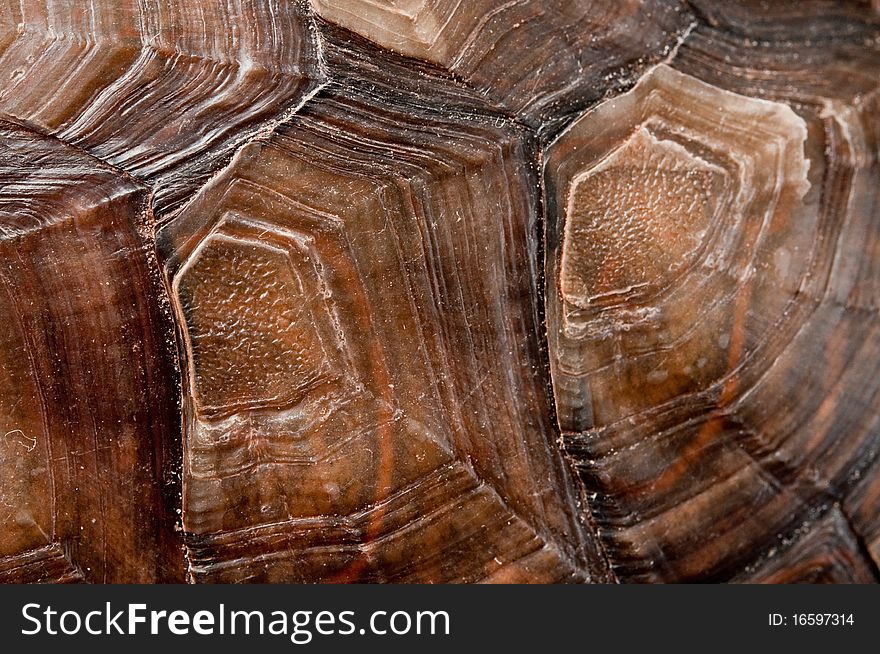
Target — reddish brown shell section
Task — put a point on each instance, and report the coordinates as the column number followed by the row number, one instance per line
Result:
column 440, row 291
column 88, row 388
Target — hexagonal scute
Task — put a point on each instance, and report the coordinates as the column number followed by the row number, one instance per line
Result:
column 694, row 283
column 87, row 395
column 161, row 89
column 664, row 208
column 364, row 395
column 819, row 426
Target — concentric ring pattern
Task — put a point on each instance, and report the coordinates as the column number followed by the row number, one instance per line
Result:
column 440, row 290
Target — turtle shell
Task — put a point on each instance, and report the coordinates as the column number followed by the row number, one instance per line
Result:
column 440, row 291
